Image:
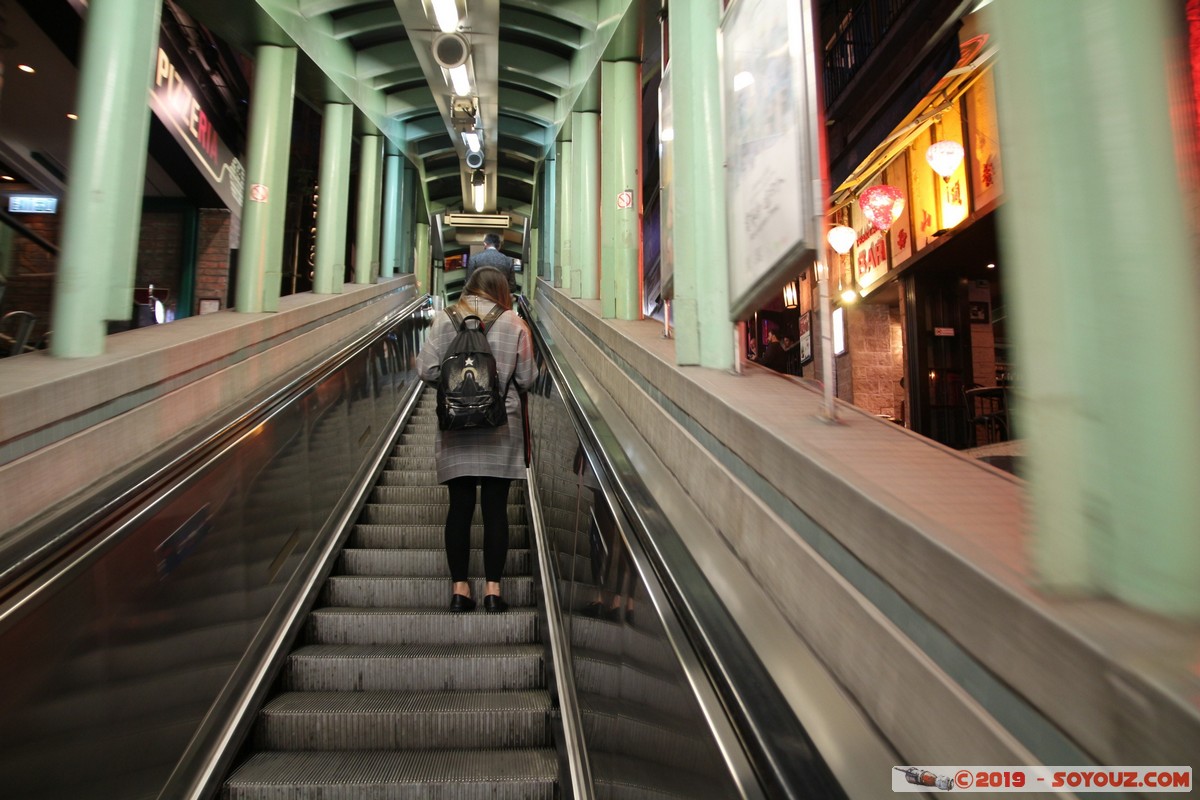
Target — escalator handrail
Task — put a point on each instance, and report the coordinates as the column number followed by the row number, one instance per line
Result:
column 33, row 560
column 770, row 736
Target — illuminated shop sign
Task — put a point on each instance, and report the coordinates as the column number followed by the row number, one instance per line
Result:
column 175, row 103
column 32, row 204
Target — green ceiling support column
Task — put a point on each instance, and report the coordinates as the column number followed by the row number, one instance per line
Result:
column 268, row 147
column 561, row 269
column 333, row 205
column 108, row 166
column 366, row 246
column 620, row 191
column 549, row 236
column 1107, row 342
column 703, row 332
column 585, row 132
column 393, row 176
column 423, row 267
column 408, row 203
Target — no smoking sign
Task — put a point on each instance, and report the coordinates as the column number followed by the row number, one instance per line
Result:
column 625, row 199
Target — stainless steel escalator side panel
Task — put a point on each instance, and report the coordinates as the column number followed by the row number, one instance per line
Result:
column 124, row 657
column 650, row 716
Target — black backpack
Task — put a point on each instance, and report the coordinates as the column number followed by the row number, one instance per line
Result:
column 468, row 391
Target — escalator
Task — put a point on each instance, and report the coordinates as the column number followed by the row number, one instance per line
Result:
column 263, row 614
column 389, row 693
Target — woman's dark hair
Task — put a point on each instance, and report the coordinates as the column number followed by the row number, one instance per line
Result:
column 489, row 283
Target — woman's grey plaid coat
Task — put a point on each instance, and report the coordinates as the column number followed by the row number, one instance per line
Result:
column 494, row 452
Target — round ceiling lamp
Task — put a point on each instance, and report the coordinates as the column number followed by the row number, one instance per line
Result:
column 841, row 238
column 944, row 157
column 881, row 205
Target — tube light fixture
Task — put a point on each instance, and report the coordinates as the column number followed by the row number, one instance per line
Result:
column 471, row 140
column 460, row 80
column 446, row 14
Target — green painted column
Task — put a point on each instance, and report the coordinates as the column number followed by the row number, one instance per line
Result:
column 703, row 333
column 561, row 270
column 620, row 192
column 423, row 268
column 408, row 232
column 191, row 249
column 585, row 274
column 393, row 177
column 336, row 141
column 549, row 249
column 1102, row 319
column 108, row 165
column 268, row 147
column 366, row 243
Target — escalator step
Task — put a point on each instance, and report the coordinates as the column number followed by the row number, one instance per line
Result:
column 431, row 494
column 366, row 668
column 424, row 536
column 431, row 514
column 404, row 720
column 401, row 775
column 420, row 626
column 375, row 591
column 423, row 562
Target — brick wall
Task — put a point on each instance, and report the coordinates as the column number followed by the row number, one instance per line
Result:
column 212, row 257
column 160, row 261
column 874, row 351
column 160, row 254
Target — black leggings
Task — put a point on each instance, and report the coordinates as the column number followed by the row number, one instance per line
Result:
column 494, row 499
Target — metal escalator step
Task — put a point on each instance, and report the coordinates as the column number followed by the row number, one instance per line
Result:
column 410, row 477
column 340, row 625
column 431, row 494
column 424, row 536
column 421, row 562
column 411, row 461
column 370, row 668
column 378, row 592
column 426, row 514
column 424, row 439
column 526, row 774
column 404, row 720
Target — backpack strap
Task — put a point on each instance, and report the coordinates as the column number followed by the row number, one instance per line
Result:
column 456, row 318
column 492, row 316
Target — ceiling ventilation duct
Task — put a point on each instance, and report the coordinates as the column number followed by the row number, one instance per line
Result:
column 450, row 50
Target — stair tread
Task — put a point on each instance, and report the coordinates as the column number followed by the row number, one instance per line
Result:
column 401, row 702
column 373, row 767
column 473, row 651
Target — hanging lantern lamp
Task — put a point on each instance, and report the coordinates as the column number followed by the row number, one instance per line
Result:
column 944, row 157
column 791, row 295
column 881, row 205
column 841, row 238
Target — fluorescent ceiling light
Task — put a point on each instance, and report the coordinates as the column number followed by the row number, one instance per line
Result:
column 460, row 80
column 480, row 192
column 742, row 80
column 667, row 135
column 446, row 14
column 471, row 140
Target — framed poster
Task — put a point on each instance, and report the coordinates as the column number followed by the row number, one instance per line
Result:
column 804, row 341
column 768, row 84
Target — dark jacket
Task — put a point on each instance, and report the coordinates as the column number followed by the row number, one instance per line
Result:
column 493, row 258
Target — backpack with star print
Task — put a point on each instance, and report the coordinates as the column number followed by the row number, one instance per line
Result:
column 468, row 391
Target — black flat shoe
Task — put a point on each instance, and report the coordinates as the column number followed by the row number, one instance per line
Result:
column 460, row 602
column 494, row 603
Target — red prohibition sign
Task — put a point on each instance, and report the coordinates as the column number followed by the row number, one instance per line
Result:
column 258, row 193
column 624, row 199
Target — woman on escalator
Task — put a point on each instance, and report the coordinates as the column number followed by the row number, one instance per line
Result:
column 490, row 458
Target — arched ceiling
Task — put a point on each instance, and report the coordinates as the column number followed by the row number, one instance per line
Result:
column 533, row 63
